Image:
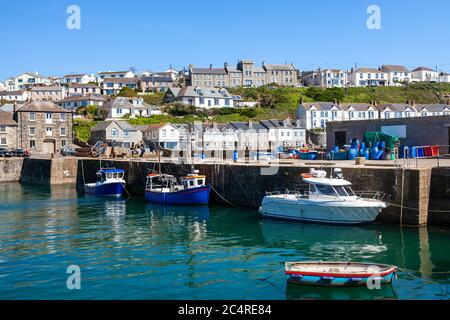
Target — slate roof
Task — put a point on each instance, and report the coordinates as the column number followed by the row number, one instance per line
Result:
column 246, row 126
column 209, row 71
column 91, row 97
column 124, row 125
column 6, row 118
column 156, row 79
column 204, row 92
column 283, row 67
column 325, row 106
column 394, row 68
column 433, row 107
column 47, row 88
column 121, row 80
column 423, row 69
column 356, row 106
column 42, row 106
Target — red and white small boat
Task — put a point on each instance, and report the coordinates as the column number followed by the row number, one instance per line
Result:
column 339, row 274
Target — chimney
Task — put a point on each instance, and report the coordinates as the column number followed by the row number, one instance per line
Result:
column 225, row 65
column 210, row 66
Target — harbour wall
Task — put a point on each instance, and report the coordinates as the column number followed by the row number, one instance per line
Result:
column 246, row 185
column 424, row 192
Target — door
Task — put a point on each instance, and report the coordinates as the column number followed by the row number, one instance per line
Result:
column 49, row 147
column 340, row 138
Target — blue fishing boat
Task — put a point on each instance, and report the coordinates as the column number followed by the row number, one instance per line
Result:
column 164, row 189
column 110, row 184
column 339, row 274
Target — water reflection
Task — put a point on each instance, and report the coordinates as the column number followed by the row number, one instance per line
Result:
column 297, row 292
column 173, row 252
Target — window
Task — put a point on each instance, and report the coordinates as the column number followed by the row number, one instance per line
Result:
column 49, row 131
column 32, row 144
column 48, row 116
column 2, row 129
column 326, row 190
column 216, row 102
column 63, row 117
column 387, row 114
column 62, row 131
column 202, row 100
column 119, row 111
column 163, row 133
column 3, row 141
column 114, row 132
column 32, row 131
column 32, row 116
column 63, row 143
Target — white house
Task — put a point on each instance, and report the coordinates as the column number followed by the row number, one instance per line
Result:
column 75, row 102
column 251, row 135
column 48, row 93
column 19, row 96
column 396, row 74
column 2, row 86
column 26, row 80
column 201, row 97
column 132, row 107
column 330, row 78
column 444, row 77
column 315, row 115
column 83, row 89
column 359, row 111
column 284, row 133
column 82, row 78
column 397, row 110
column 164, row 135
column 112, row 86
column 424, row 74
column 426, row 110
column 368, row 77
column 114, row 74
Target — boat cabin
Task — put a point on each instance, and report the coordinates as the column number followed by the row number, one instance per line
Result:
column 193, row 181
column 319, row 185
column 110, row 174
column 161, row 182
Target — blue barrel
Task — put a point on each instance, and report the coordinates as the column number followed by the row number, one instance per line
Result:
column 367, row 154
column 382, row 145
column 336, row 149
column 355, row 144
column 235, row 156
column 362, row 146
column 373, row 153
column 352, row 154
column 403, row 152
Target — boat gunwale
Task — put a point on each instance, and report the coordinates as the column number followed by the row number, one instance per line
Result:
column 388, row 269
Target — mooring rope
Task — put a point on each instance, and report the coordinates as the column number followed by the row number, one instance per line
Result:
column 229, row 202
column 239, row 183
column 82, row 170
column 272, row 275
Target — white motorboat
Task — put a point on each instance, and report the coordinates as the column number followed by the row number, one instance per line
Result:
column 327, row 200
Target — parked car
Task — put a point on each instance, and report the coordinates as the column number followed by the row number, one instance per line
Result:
column 5, row 153
column 66, row 151
column 21, row 153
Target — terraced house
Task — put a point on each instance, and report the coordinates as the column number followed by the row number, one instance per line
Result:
column 245, row 74
column 8, row 130
column 43, row 127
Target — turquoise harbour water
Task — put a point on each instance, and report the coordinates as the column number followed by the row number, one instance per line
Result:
column 135, row 250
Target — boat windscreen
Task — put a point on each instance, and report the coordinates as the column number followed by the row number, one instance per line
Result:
column 326, row 190
column 349, row 191
column 341, row 191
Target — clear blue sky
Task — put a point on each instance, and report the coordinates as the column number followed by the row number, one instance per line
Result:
column 151, row 34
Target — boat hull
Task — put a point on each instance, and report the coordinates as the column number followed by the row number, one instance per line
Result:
column 328, row 279
column 115, row 189
column 193, row 196
column 328, row 212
